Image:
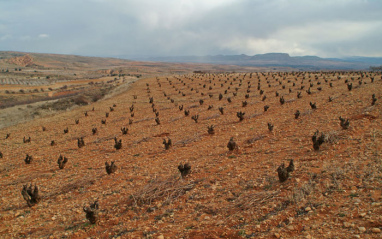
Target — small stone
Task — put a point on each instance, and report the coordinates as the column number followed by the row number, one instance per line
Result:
column 346, row 224
column 291, row 228
column 160, row 237
column 362, row 214
column 277, row 235
column 357, row 236
column 362, row 229
column 308, row 209
column 376, row 230
column 308, row 236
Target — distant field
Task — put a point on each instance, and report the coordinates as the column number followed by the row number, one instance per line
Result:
column 27, row 78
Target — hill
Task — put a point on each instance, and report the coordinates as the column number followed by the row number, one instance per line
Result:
column 304, row 63
column 334, row 191
column 65, row 64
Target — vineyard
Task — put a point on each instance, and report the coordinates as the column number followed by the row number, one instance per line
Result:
column 229, row 155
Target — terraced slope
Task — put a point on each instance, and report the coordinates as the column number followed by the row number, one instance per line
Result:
column 333, row 192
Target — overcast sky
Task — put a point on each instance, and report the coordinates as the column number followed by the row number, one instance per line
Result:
column 326, row 28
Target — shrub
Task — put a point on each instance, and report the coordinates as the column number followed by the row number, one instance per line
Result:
column 96, row 97
column 81, row 100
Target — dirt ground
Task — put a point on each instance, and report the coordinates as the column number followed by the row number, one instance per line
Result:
column 333, row 192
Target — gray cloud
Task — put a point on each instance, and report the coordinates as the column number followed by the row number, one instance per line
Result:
column 328, row 28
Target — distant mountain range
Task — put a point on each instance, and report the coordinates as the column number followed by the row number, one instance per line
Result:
column 269, row 60
column 278, row 60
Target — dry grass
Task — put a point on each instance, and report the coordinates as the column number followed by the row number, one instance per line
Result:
column 165, row 190
column 333, row 137
column 305, row 191
column 254, row 139
column 250, row 200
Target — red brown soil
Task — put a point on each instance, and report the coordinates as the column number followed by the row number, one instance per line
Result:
column 334, row 192
column 25, row 60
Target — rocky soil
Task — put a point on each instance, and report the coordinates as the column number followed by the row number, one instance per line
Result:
column 333, row 192
column 25, row 60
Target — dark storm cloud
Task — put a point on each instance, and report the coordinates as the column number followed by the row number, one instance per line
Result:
column 192, row 27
